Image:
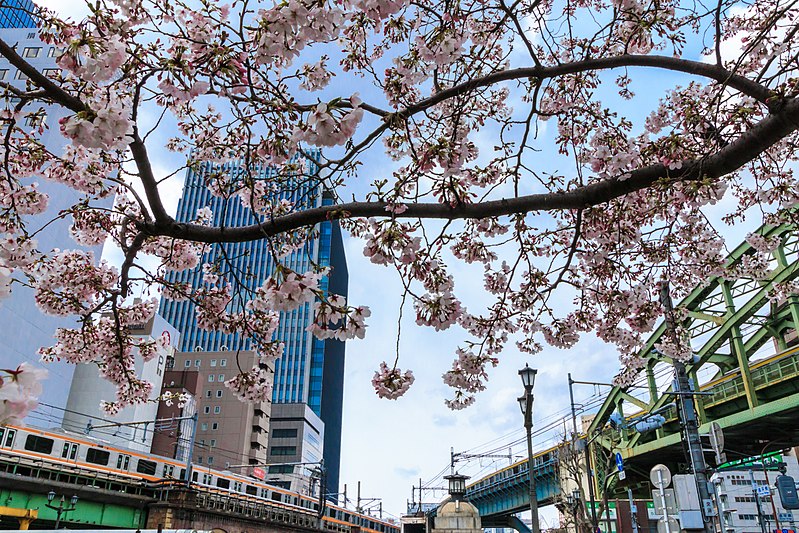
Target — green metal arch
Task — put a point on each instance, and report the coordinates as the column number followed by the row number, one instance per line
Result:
column 732, row 313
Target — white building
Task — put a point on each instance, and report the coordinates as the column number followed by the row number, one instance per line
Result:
column 88, row 389
column 737, row 497
column 25, row 328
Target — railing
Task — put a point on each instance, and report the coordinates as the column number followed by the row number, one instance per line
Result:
column 767, row 373
column 45, row 471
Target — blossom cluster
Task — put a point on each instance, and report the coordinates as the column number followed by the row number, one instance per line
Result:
column 19, row 390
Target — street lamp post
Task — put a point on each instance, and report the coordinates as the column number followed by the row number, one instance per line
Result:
column 526, row 403
column 60, row 509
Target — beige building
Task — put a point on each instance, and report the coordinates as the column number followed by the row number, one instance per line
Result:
column 229, row 431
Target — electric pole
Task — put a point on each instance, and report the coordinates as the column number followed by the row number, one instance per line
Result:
column 685, row 405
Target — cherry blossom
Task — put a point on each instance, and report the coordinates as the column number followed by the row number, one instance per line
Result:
column 567, row 185
column 19, row 390
column 391, row 383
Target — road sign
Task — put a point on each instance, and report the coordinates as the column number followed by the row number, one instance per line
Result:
column 671, row 501
column 660, row 476
column 622, row 475
column 619, row 462
column 717, row 437
column 763, row 490
column 670, row 526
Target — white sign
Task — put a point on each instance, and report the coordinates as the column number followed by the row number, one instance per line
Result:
column 763, row 490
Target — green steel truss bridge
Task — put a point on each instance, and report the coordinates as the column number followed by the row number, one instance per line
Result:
column 745, row 364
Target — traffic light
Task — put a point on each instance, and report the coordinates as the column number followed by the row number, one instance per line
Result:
column 786, row 486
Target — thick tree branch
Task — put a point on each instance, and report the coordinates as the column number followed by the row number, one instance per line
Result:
column 139, row 152
column 714, row 72
column 747, row 147
column 54, row 92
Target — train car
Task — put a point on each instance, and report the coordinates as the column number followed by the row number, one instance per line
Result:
column 30, row 445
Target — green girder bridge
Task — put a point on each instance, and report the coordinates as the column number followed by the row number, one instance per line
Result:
column 746, row 368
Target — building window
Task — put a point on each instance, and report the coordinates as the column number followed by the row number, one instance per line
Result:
column 219, row 394
column 202, row 442
column 213, row 362
column 210, row 460
column 207, row 409
column 32, row 35
column 197, row 363
column 200, row 460
column 34, row 120
column 204, row 426
column 215, row 426
column 208, row 393
column 284, row 433
column 211, row 378
column 188, row 364
column 213, row 443
column 221, row 378
column 31, row 52
column 3, row 74
column 283, row 450
column 51, row 72
column 223, row 362
column 217, row 409
column 19, row 75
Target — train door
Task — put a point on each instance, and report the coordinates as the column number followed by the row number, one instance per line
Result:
column 7, row 437
column 123, row 462
column 70, row 451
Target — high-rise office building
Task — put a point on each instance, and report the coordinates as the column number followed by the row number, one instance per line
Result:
column 310, row 371
column 18, row 313
column 17, row 14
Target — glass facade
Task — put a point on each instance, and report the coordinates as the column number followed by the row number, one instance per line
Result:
column 303, row 374
column 17, row 14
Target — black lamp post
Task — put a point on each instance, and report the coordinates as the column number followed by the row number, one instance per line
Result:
column 573, row 502
column 60, row 509
column 526, row 403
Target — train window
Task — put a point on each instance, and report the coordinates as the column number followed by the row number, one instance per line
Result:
column 237, row 486
column 276, row 496
column 70, row 451
column 252, row 491
column 98, row 457
column 207, row 479
column 182, row 473
column 193, row 477
column 7, row 437
column 169, row 470
column 35, row 443
column 146, row 467
column 123, row 462
column 223, row 483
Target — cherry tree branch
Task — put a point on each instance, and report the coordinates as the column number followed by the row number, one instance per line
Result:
column 743, row 150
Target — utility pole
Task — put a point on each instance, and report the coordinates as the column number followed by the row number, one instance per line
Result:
column 685, row 404
column 190, row 455
column 358, row 504
column 760, row 517
column 589, row 473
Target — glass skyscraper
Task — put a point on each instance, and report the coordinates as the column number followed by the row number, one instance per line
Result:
column 17, row 14
column 310, row 371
